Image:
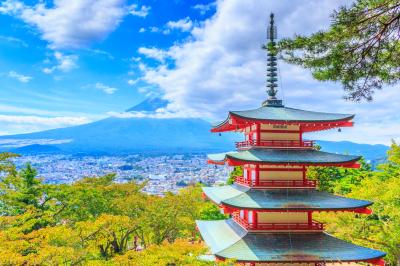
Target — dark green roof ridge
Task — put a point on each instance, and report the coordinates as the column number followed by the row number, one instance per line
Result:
column 228, row 240
column 262, row 155
column 241, row 197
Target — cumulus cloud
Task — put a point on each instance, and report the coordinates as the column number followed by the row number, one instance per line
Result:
column 73, row 24
column 139, row 11
column 184, row 24
column 133, row 81
column 19, row 77
column 64, row 63
column 153, row 53
column 203, row 9
column 221, row 67
column 105, row 88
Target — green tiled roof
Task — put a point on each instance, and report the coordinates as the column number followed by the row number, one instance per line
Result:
column 280, row 199
column 273, row 113
column 284, row 156
column 228, row 240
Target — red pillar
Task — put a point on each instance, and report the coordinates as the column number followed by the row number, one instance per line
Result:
column 301, row 138
column 257, row 175
column 309, row 214
column 255, row 220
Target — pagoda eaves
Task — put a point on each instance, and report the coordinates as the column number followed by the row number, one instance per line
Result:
column 305, row 157
column 307, row 121
column 228, row 240
column 238, row 197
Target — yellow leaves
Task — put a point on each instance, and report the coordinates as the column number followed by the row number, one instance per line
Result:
column 181, row 252
column 51, row 246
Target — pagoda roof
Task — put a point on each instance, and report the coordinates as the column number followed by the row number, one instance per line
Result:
column 227, row 239
column 268, row 114
column 279, row 156
column 237, row 196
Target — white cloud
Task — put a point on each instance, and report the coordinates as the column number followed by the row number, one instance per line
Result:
column 153, row 53
column 105, row 88
column 139, row 11
column 11, row 6
column 133, row 81
column 184, row 24
column 141, row 30
column 65, row 63
column 73, row 24
column 19, row 77
column 158, row 114
column 102, row 53
column 40, row 120
column 17, row 124
column 154, row 29
column 221, row 67
column 14, row 40
column 205, row 8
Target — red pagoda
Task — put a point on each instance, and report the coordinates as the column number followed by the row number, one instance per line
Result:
column 272, row 204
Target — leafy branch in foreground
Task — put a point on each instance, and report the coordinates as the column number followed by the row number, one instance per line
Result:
column 361, row 49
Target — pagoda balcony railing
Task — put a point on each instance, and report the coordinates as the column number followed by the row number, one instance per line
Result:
column 243, row 181
column 277, row 226
column 276, row 183
column 275, row 144
column 287, row 183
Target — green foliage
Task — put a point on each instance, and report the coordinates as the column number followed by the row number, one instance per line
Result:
column 381, row 230
column 95, row 220
column 339, row 180
column 361, row 49
column 237, row 171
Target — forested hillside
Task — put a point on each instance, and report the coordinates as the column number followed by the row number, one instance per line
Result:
column 99, row 222
column 95, row 221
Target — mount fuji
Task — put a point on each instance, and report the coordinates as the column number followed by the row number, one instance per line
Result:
column 114, row 135
column 124, row 135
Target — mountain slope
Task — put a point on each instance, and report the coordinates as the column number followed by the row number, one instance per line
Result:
column 369, row 151
column 123, row 135
column 149, row 105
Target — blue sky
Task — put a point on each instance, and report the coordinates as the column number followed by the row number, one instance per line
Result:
column 67, row 62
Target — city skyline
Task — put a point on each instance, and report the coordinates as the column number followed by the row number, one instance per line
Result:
column 203, row 57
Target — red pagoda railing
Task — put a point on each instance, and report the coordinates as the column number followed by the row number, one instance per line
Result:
column 277, row 183
column 288, row 183
column 275, row 144
column 277, row 226
column 243, row 181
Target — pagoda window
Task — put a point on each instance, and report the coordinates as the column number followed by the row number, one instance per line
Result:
column 241, row 214
column 282, row 136
column 281, row 175
column 283, row 217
